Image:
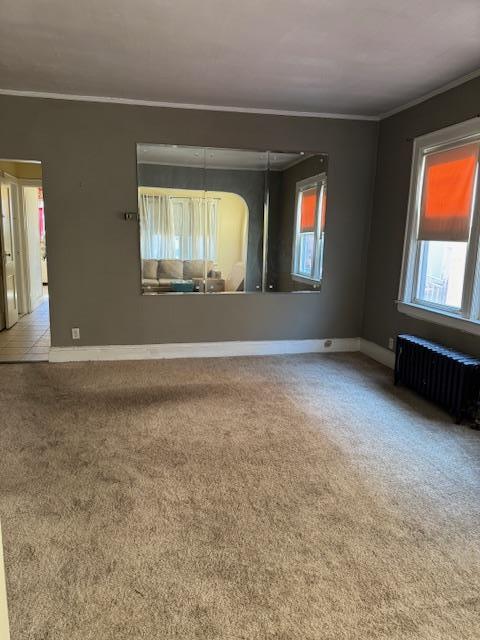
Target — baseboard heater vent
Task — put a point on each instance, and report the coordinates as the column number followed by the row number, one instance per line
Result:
column 447, row 377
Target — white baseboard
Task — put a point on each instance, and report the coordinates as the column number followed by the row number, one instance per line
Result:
column 221, row 350
column 201, row 349
column 378, row 353
column 4, row 627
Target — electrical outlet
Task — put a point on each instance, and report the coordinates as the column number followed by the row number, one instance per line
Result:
column 390, row 344
column 75, row 333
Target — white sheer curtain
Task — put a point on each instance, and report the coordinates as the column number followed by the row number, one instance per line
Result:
column 185, row 228
column 157, row 228
column 196, row 208
column 211, row 229
column 196, row 226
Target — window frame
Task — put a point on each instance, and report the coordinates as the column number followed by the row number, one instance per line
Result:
column 467, row 318
column 319, row 183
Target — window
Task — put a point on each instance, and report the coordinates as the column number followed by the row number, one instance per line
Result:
column 308, row 239
column 441, row 275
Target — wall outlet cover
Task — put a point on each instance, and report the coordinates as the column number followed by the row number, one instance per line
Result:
column 75, row 333
column 390, row 344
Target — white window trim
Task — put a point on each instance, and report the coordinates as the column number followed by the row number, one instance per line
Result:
column 439, row 317
column 318, row 181
column 468, row 317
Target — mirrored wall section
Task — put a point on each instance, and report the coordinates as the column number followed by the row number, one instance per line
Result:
column 296, row 216
column 201, row 215
column 218, row 220
column 237, row 180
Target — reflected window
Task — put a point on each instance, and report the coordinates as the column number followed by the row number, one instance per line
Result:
column 310, row 205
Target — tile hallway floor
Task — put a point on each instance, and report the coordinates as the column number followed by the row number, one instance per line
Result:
column 29, row 339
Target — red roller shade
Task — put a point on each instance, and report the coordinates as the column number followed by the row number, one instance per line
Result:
column 447, row 194
column 309, row 207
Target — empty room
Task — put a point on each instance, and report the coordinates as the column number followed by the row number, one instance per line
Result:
column 242, row 401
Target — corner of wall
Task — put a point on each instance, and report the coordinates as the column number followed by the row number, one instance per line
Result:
column 367, row 238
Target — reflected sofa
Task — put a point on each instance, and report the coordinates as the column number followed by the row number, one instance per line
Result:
column 167, row 276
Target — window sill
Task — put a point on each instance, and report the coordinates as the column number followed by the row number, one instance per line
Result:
column 439, row 317
column 305, row 280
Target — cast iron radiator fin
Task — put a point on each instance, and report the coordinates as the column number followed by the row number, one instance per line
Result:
column 447, row 377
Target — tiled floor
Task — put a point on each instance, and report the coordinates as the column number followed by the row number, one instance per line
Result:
column 29, row 339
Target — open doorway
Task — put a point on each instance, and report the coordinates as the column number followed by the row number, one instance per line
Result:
column 24, row 300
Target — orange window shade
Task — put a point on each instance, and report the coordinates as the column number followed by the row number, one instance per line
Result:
column 308, row 212
column 447, row 193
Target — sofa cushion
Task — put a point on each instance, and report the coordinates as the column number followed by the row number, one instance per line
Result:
column 149, row 269
column 170, row 269
column 195, row 268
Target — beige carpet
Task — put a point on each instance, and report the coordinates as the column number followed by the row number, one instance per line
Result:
column 297, row 497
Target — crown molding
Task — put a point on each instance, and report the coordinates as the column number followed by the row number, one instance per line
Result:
column 182, row 105
column 431, row 94
column 229, row 109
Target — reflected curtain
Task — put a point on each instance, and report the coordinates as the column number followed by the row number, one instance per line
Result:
column 157, row 227
column 196, row 226
column 183, row 228
column 211, row 229
column 196, row 207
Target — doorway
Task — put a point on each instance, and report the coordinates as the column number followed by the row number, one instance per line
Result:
column 24, row 299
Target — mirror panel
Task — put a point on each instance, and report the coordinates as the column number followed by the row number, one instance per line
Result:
column 236, row 178
column 297, row 188
column 216, row 220
column 173, row 212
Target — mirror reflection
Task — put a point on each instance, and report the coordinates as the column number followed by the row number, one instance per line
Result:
column 297, row 188
column 229, row 221
column 239, row 177
column 201, row 219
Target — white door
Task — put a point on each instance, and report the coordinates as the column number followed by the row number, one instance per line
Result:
column 7, row 245
column 30, row 200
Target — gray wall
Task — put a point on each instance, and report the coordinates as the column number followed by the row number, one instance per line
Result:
column 381, row 319
column 89, row 169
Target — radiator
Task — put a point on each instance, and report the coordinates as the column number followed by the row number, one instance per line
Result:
column 447, row 377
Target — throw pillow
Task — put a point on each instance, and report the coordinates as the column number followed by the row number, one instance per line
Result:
column 170, row 269
column 149, row 269
column 195, row 268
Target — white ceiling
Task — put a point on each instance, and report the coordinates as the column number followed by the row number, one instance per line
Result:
column 215, row 158
column 362, row 57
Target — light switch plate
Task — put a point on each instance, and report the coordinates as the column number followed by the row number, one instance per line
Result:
column 75, row 333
